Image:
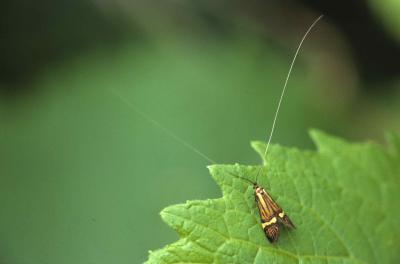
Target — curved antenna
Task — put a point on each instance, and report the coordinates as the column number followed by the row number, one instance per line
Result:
column 191, row 147
column 159, row 125
column 284, row 88
column 242, row 178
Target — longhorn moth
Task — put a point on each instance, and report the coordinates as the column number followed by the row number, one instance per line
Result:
column 271, row 214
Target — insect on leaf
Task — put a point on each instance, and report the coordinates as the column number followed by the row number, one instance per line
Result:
column 343, row 199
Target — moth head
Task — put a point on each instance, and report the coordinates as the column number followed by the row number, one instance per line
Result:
column 258, row 189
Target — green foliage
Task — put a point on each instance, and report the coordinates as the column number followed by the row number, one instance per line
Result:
column 387, row 12
column 343, row 199
column 76, row 162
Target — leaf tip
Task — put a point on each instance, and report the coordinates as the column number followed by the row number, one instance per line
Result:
column 259, row 147
column 317, row 135
column 216, row 172
column 324, row 141
column 211, row 168
column 164, row 214
column 167, row 213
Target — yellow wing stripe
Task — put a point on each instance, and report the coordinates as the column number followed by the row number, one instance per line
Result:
column 272, row 221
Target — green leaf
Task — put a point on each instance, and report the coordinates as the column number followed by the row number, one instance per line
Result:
column 343, row 199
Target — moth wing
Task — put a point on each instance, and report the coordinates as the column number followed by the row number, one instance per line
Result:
column 286, row 221
column 272, row 232
column 278, row 212
column 265, row 212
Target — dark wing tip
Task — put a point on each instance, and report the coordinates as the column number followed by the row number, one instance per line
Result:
column 287, row 222
column 272, row 232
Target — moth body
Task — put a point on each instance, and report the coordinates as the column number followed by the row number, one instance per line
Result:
column 271, row 214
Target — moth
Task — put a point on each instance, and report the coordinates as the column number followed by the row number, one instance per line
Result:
column 271, row 214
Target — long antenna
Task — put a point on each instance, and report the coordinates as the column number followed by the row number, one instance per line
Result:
column 239, row 177
column 169, row 132
column 284, row 88
column 194, row 149
column 159, row 125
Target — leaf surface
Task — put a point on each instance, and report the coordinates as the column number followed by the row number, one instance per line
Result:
column 343, row 198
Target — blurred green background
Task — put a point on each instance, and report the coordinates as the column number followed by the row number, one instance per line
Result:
column 83, row 176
